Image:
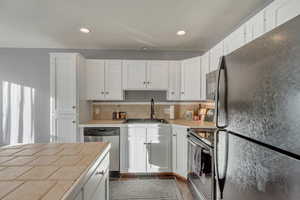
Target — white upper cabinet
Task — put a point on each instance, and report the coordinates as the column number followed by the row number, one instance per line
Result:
column 191, row 79
column 113, row 80
column 146, row 75
column 95, row 71
column 134, row 74
column 215, row 55
column 63, row 70
column 286, row 10
column 158, row 75
column 235, row 40
column 255, row 27
column 104, row 80
column 174, row 80
column 205, row 61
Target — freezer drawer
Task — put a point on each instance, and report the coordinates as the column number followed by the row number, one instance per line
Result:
column 248, row 171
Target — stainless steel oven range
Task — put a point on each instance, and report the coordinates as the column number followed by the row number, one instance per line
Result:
column 201, row 163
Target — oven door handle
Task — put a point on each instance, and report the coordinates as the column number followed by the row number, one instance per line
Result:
column 198, row 143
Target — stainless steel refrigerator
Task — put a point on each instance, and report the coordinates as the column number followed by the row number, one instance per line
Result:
column 257, row 145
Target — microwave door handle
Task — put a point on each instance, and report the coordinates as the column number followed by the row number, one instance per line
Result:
column 221, row 68
column 220, row 181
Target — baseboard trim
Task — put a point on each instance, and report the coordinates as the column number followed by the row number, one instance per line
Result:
column 127, row 174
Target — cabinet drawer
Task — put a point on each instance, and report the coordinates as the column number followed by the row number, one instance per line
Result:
column 95, row 179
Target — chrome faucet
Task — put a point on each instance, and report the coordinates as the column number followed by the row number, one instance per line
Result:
column 152, row 112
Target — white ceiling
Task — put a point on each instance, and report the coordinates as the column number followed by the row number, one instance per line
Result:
column 121, row 24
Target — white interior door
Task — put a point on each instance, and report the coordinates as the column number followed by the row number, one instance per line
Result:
column 158, row 150
column 174, row 80
column 158, row 75
column 113, row 80
column 134, row 74
column 137, row 149
column 95, row 76
column 63, row 84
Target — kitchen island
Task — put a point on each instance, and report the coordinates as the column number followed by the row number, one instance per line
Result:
column 54, row 171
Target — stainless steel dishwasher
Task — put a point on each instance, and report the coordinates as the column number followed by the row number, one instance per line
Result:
column 107, row 134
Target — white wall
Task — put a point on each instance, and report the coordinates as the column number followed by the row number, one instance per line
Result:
column 24, row 102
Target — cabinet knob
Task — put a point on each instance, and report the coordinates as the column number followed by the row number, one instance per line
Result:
column 172, row 93
column 100, row 172
column 73, row 121
column 73, row 107
column 182, row 92
column 174, row 135
column 106, row 92
column 102, row 92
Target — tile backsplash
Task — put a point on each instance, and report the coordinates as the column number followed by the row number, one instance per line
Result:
column 104, row 111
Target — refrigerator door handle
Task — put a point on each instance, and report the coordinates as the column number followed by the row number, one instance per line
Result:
column 220, row 180
column 221, row 68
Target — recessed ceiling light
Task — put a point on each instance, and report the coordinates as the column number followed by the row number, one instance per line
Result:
column 181, row 32
column 85, row 30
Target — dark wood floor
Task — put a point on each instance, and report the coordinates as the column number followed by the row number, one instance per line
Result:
column 182, row 184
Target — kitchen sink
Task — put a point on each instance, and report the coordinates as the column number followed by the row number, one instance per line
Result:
column 146, row 121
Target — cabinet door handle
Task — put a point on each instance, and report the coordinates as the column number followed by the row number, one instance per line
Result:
column 100, row 172
column 144, row 82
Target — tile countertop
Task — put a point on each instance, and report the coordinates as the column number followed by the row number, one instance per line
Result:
column 120, row 123
column 46, row 171
column 193, row 124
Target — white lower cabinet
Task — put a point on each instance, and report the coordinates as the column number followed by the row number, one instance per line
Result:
column 158, row 149
column 102, row 190
column 179, row 150
column 137, row 137
column 64, row 129
column 149, row 149
column 97, row 186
